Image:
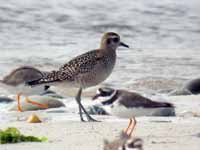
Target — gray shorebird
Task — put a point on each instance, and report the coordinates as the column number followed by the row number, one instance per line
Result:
column 188, row 88
column 14, row 82
column 86, row 70
column 124, row 142
column 127, row 104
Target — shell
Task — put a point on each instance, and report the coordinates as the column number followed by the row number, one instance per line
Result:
column 34, row 119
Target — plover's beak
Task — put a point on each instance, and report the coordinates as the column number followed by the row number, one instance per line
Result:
column 95, row 97
column 123, row 44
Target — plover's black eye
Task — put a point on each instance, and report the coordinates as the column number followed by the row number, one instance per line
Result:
column 115, row 40
column 108, row 41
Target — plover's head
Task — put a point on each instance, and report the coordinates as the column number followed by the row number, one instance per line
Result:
column 125, row 142
column 104, row 95
column 132, row 144
column 111, row 41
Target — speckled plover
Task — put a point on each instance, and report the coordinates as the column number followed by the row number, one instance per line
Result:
column 15, row 83
column 127, row 104
column 86, row 70
column 125, row 142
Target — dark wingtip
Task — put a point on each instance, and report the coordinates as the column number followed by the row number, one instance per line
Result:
column 156, row 104
column 46, row 87
column 32, row 83
column 168, row 104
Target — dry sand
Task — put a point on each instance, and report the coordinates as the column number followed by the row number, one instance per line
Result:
column 66, row 132
column 157, row 133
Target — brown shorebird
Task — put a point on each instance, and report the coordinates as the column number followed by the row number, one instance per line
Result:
column 15, row 83
column 127, row 104
column 86, row 70
column 125, row 142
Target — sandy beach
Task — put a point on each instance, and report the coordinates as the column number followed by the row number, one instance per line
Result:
column 158, row 133
column 66, row 132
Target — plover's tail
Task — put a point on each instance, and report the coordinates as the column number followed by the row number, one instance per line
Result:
column 34, row 82
column 161, row 104
column 46, row 79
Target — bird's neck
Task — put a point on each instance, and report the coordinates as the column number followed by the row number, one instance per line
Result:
column 109, row 52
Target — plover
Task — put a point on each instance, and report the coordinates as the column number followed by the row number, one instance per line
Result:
column 190, row 87
column 86, row 70
column 15, row 83
column 125, row 142
column 124, row 103
column 127, row 104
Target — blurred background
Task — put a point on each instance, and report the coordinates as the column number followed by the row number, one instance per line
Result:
column 164, row 36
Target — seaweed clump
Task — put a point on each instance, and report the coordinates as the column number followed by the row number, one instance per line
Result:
column 13, row 135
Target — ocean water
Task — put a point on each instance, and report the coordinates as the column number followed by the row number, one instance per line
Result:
column 163, row 37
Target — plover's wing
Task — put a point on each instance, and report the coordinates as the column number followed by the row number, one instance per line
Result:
column 136, row 100
column 79, row 65
column 82, row 63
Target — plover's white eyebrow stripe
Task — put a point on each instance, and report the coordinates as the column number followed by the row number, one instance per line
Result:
column 113, row 36
column 113, row 94
column 98, row 92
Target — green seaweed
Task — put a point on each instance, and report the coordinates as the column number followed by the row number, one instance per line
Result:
column 13, row 135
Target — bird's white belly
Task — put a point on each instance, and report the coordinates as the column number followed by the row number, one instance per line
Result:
column 25, row 89
column 123, row 112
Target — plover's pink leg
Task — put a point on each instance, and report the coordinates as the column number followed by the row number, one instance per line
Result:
column 44, row 106
column 18, row 102
column 130, row 122
column 134, row 122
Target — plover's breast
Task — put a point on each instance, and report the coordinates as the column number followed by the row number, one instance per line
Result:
column 98, row 73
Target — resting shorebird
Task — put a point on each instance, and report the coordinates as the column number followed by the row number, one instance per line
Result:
column 127, row 104
column 125, row 142
column 190, row 87
column 86, row 70
column 15, row 83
